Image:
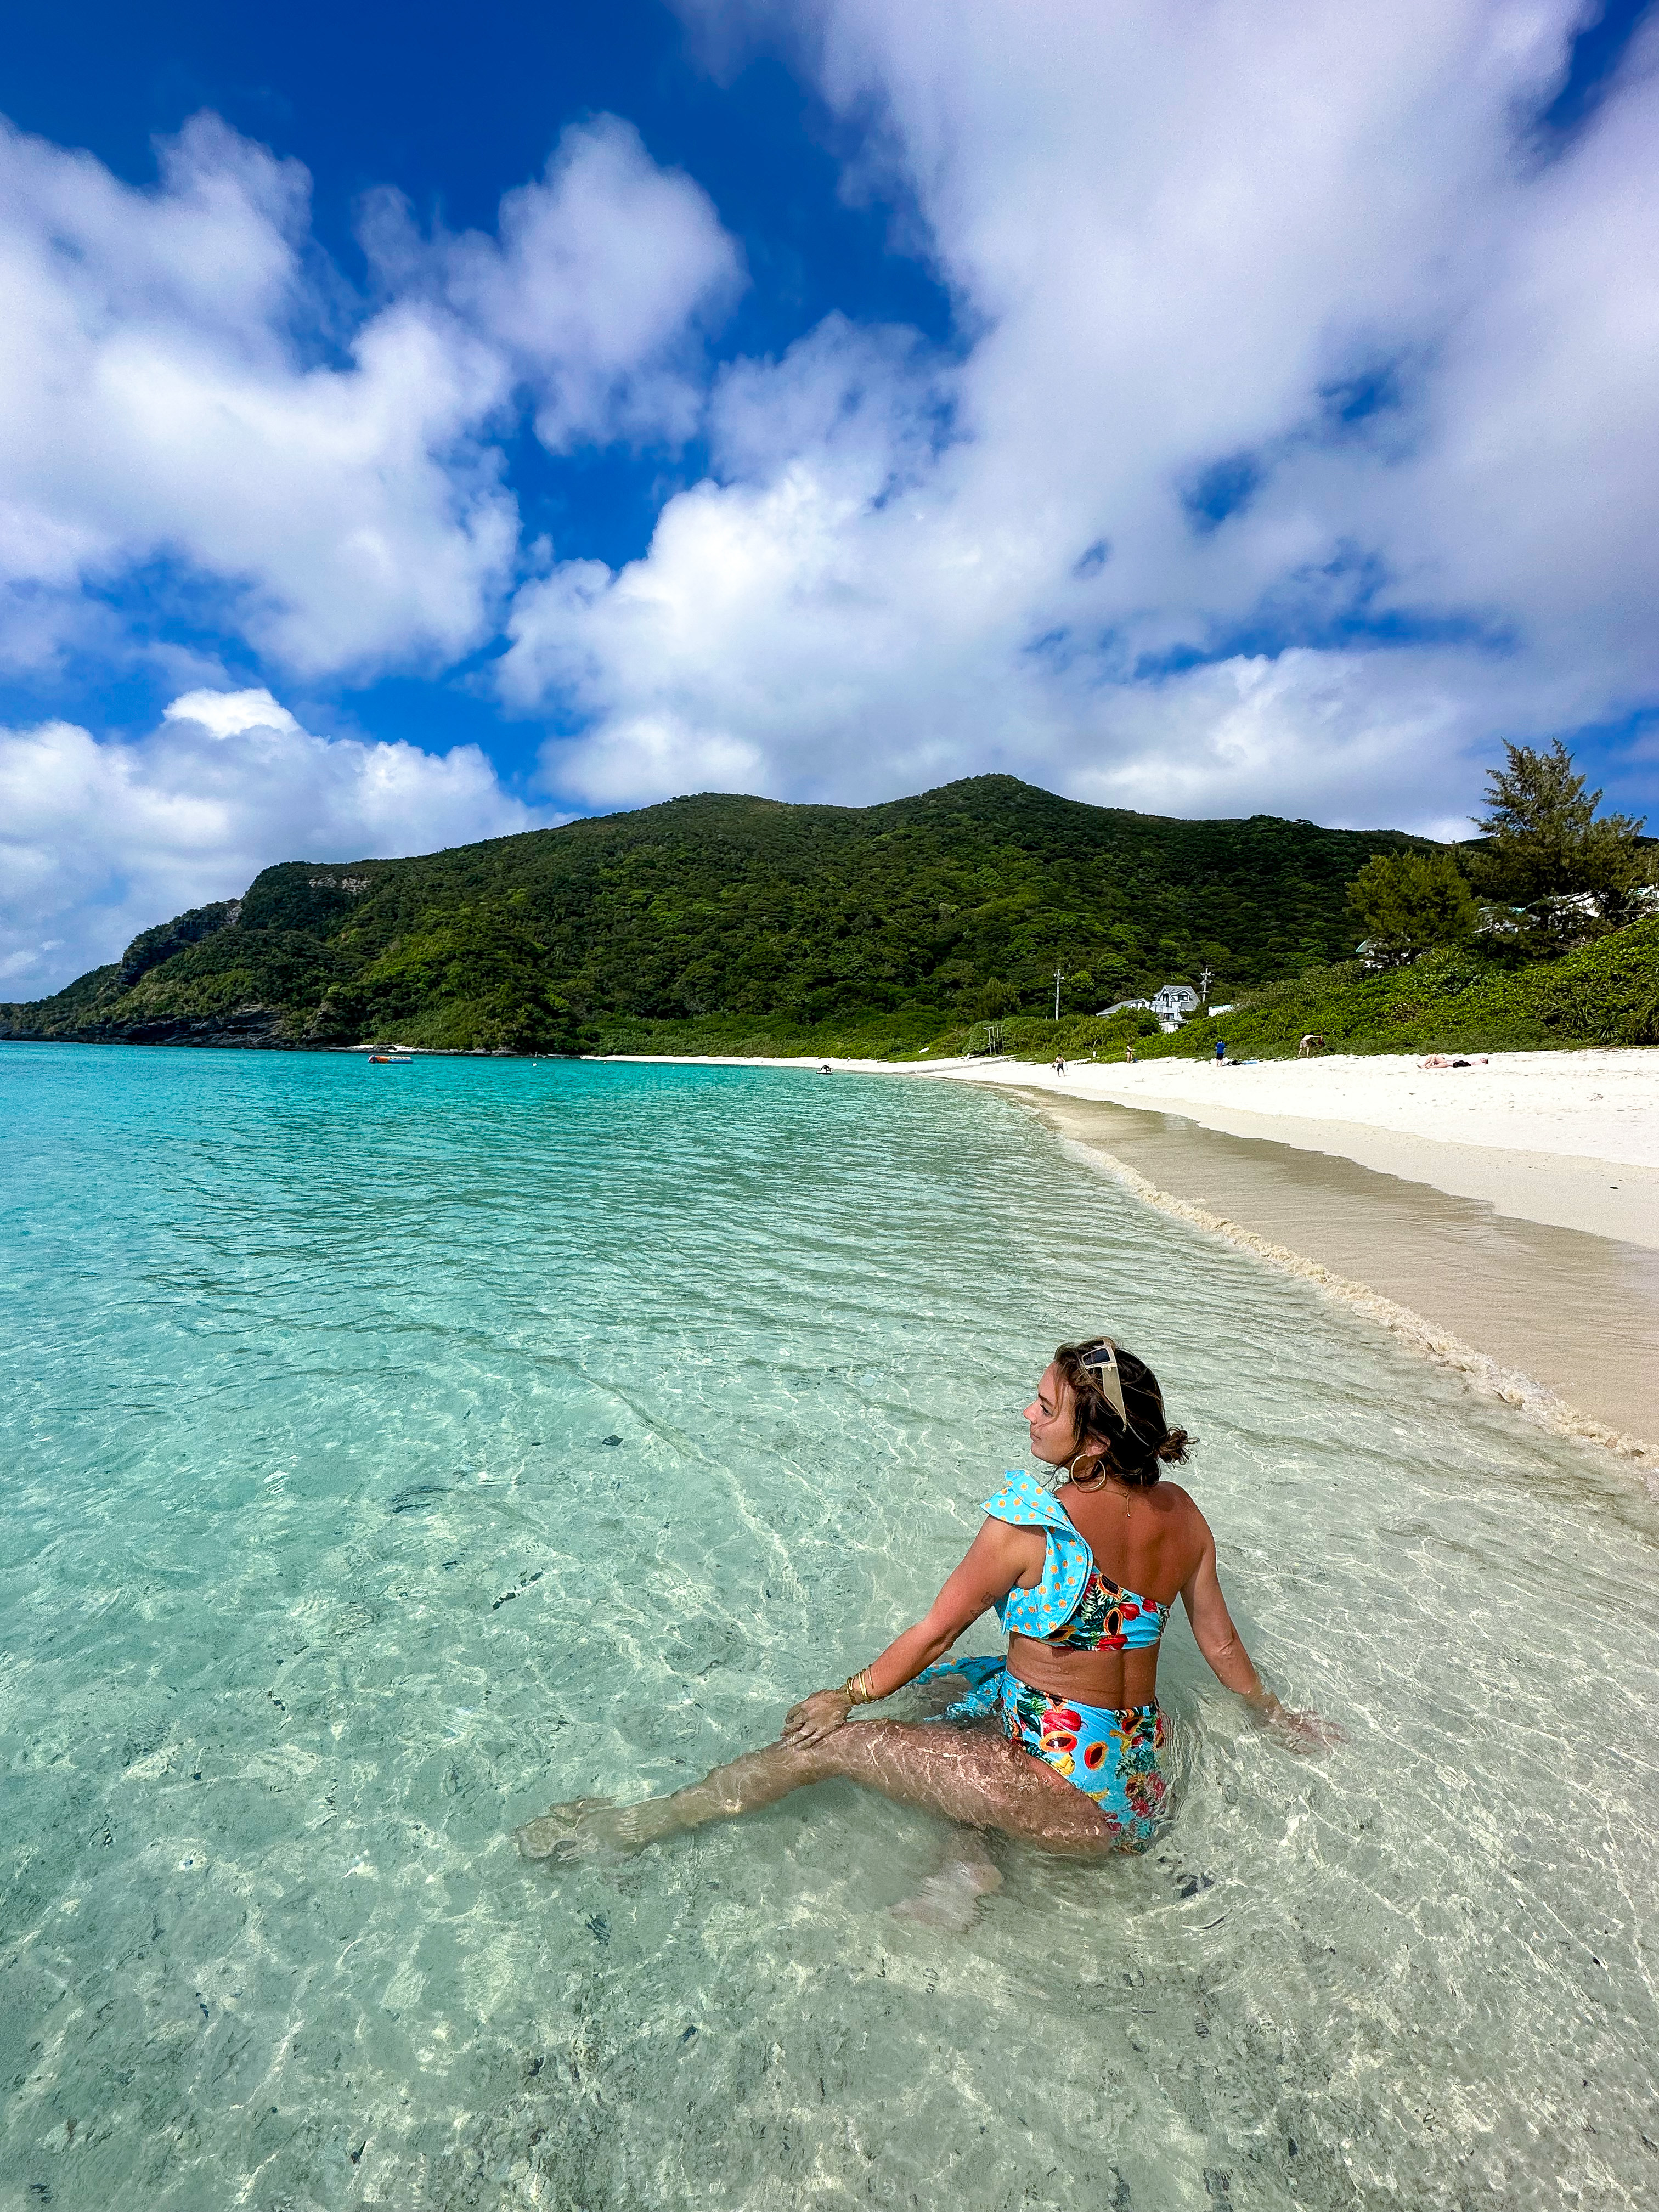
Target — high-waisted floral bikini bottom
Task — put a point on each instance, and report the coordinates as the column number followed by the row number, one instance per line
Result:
column 1109, row 1752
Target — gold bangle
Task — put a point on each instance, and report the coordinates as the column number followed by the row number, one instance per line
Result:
column 856, row 1688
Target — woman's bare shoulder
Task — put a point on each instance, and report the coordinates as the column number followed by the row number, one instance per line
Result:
column 1186, row 1518
column 1175, row 1496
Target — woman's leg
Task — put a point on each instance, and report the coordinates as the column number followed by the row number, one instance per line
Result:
column 972, row 1776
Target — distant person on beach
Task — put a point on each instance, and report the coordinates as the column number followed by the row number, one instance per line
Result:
column 1061, row 1743
column 1221, row 1050
column 1060, row 1063
column 1310, row 1045
column 1129, row 1054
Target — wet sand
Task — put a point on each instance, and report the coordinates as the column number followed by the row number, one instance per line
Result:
column 1576, row 1312
column 1609, row 1198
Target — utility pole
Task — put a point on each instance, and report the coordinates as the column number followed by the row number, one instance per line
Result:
column 1060, row 977
column 1204, row 983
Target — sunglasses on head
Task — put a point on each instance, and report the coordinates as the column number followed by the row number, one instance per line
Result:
column 1099, row 1363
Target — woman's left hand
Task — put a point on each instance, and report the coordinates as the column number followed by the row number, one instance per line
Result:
column 815, row 1717
column 1304, row 1733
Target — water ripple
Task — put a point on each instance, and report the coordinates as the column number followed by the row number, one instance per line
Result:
column 391, row 1452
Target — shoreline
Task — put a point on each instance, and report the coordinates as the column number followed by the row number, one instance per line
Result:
column 1559, row 1324
column 1527, row 1266
column 1567, row 1139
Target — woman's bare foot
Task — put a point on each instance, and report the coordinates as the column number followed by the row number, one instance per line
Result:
column 589, row 1827
column 949, row 1899
column 544, row 1837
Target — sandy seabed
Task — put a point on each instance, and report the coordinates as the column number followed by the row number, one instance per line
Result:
column 392, row 1457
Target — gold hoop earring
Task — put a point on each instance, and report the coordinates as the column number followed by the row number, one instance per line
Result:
column 1100, row 1477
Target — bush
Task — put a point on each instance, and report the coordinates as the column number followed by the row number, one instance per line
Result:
column 1456, row 1001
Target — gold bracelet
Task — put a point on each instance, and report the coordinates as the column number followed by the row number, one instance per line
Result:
column 856, row 1688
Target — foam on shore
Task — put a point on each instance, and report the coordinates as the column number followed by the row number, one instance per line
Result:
column 1478, row 1369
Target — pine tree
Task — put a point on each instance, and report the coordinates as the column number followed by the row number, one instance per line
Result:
column 1549, row 854
column 1411, row 901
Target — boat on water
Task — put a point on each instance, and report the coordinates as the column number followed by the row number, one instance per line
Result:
column 390, row 1059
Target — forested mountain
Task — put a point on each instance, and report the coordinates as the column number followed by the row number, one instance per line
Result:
column 961, row 903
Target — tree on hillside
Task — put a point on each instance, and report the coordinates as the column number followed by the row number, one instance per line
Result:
column 1410, row 901
column 994, row 999
column 1550, row 855
column 474, row 973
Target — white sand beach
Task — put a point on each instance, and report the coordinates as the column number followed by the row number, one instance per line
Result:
column 1502, row 1217
column 1532, row 1134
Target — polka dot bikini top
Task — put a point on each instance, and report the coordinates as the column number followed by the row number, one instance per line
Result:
column 1075, row 1607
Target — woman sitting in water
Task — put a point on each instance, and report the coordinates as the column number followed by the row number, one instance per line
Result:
column 1083, row 1580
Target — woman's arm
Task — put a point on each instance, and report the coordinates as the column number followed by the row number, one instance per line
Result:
column 996, row 1560
column 1216, row 1638
column 1231, row 1665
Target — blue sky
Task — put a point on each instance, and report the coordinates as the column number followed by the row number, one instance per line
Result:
column 454, row 117
column 429, row 423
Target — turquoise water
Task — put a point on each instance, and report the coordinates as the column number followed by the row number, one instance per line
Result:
column 391, row 1452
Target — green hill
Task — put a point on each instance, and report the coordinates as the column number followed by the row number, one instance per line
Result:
column 729, row 923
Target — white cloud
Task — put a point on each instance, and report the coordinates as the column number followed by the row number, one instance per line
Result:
column 229, row 714
column 780, row 600
column 1184, row 245
column 597, row 287
column 183, row 383
column 99, row 840
column 179, row 384
column 1183, row 241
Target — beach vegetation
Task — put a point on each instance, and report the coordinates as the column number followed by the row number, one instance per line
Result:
column 1460, row 999
column 764, row 921
column 1409, row 903
column 470, row 979
column 734, row 925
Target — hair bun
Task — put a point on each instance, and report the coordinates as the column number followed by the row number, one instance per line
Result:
column 1174, row 1446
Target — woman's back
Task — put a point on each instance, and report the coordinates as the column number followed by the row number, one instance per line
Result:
column 1149, row 1540
column 1146, row 1542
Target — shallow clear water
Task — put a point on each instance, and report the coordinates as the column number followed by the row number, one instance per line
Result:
column 320, row 1567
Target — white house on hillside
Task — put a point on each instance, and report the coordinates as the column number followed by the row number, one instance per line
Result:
column 1172, row 1003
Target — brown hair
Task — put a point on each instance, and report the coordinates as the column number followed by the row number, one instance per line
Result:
column 1134, row 1450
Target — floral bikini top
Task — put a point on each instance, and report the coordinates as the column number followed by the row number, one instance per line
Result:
column 1074, row 1604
